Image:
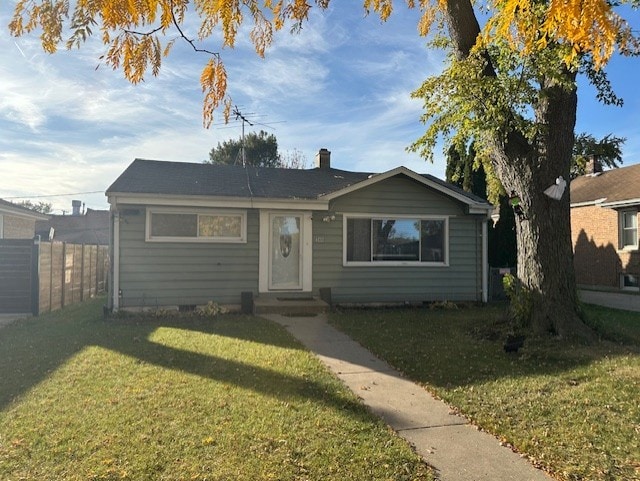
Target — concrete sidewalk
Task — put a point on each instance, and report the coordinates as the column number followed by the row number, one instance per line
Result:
column 617, row 300
column 456, row 449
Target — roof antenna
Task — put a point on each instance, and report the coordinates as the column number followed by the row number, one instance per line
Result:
column 239, row 115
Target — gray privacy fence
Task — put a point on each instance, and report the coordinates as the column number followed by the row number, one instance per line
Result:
column 37, row 277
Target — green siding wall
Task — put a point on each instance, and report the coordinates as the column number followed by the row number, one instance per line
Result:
column 167, row 274
column 459, row 281
column 180, row 273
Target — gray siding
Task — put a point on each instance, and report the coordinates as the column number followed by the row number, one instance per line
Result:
column 174, row 273
column 180, row 273
column 459, row 281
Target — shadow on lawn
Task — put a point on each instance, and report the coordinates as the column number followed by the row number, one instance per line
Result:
column 465, row 347
column 31, row 350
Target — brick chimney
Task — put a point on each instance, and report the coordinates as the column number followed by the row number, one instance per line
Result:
column 323, row 159
column 594, row 166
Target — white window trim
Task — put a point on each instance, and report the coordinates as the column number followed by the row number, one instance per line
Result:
column 621, row 246
column 207, row 240
column 345, row 263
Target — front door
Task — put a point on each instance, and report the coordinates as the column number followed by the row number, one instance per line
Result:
column 285, row 251
column 285, row 269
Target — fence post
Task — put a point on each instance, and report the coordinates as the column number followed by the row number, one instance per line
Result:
column 35, row 278
column 64, row 273
column 82, row 273
column 90, row 276
column 51, row 278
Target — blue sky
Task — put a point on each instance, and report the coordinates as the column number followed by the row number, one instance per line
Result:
column 67, row 129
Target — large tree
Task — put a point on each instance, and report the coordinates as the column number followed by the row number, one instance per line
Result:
column 257, row 149
column 260, row 150
column 607, row 151
column 510, row 86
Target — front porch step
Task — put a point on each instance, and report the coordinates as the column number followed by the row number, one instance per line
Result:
column 289, row 306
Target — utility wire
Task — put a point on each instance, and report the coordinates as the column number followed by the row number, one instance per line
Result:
column 52, row 195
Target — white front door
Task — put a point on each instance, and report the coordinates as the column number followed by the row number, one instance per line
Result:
column 285, row 251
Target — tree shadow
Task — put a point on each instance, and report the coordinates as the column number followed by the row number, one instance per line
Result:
column 602, row 265
column 596, row 265
column 33, row 349
column 453, row 349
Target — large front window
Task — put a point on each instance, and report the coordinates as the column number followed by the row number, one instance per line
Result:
column 396, row 240
column 185, row 226
column 629, row 229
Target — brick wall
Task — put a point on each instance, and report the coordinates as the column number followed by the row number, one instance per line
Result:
column 597, row 259
column 18, row 228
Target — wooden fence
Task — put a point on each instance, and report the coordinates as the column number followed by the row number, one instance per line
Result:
column 45, row 276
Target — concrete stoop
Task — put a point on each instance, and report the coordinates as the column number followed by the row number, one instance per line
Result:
column 294, row 306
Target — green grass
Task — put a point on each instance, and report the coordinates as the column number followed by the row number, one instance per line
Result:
column 614, row 324
column 234, row 398
column 573, row 410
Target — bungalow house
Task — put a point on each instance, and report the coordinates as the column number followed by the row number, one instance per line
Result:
column 17, row 222
column 184, row 234
column 604, row 227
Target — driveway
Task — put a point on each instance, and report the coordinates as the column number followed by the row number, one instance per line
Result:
column 616, row 300
column 6, row 319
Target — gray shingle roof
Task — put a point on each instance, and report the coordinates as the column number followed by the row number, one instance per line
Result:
column 615, row 185
column 181, row 178
column 90, row 228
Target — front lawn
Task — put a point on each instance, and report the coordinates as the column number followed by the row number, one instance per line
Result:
column 575, row 410
column 235, row 398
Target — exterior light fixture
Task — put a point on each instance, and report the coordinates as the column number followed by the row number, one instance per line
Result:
column 556, row 190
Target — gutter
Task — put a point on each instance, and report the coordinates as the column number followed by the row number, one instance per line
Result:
column 622, row 203
column 115, row 297
column 588, row 203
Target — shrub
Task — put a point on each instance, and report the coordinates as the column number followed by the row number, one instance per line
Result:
column 521, row 302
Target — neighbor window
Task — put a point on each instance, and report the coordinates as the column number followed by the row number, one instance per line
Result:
column 395, row 240
column 629, row 229
column 630, row 282
column 196, row 226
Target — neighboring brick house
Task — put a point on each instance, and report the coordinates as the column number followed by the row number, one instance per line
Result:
column 17, row 222
column 604, row 228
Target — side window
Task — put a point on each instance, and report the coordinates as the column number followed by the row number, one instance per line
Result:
column 628, row 229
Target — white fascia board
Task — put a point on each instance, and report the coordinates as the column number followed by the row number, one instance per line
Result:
column 588, row 203
column 230, row 202
column 481, row 209
column 477, row 207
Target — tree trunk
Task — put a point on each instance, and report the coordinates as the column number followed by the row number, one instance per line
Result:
column 545, row 251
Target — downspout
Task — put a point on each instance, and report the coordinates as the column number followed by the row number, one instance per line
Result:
column 116, row 260
column 485, row 260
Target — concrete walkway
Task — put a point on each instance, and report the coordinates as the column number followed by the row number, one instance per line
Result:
column 456, row 449
column 615, row 300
